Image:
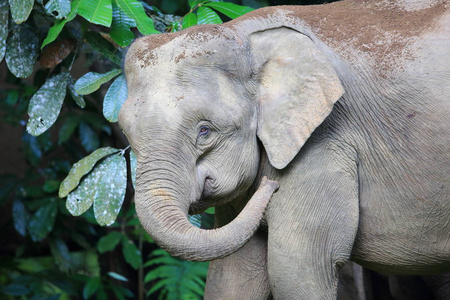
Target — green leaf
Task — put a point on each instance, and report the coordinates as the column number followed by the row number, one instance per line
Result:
column 111, row 186
column 120, row 29
column 175, row 278
column 22, row 51
column 20, row 217
column 61, row 254
column 55, row 30
column 189, row 20
column 210, row 210
column 81, row 168
column 131, row 254
column 206, row 15
column 109, row 241
column 67, row 129
column 92, row 286
column 4, row 18
column 51, row 186
column 20, row 9
column 102, row 295
column 92, row 81
column 89, row 139
column 58, row 8
column 229, row 9
column 122, row 292
column 133, row 166
column 135, row 11
column 32, row 150
column 117, row 276
column 96, row 11
column 46, row 104
column 100, row 44
column 41, row 223
column 12, row 97
column 114, row 98
column 193, row 3
column 77, row 98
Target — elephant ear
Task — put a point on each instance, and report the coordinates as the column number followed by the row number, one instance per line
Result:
column 297, row 90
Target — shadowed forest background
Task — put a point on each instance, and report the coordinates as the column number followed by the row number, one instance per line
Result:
column 61, row 87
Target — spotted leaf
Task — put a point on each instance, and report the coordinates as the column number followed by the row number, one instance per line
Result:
column 22, row 51
column 110, row 189
column 46, row 103
column 81, row 168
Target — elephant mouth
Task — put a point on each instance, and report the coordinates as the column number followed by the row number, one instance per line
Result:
column 205, row 198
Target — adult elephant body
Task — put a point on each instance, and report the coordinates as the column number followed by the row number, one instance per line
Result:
column 346, row 105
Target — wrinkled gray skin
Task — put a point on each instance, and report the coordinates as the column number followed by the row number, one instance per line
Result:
column 346, row 105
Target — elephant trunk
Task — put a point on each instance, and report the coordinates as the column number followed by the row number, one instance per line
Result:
column 163, row 215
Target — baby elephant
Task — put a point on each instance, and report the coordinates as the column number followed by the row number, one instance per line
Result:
column 345, row 105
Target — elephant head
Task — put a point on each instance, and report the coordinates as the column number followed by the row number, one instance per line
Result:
column 199, row 101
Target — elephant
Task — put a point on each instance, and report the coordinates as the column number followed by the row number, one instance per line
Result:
column 344, row 107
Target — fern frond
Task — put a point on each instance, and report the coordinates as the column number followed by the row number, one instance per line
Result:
column 175, row 279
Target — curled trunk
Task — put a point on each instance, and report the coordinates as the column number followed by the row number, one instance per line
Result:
column 164, row 217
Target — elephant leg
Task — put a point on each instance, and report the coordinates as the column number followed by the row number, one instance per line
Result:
column 439, row 284
column 313, row 221
column 241, row 275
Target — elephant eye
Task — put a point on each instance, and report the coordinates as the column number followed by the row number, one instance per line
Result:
column 204, row 130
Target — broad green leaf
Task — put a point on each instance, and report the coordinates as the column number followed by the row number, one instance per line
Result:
column 61, row 254
column 120, row 29
column 117, row 276
column 88, row 137
column 110, row 189
column 206, row 15
column 77, row 98
column 55, row 30
column 4, row 18
column 20, row 217
column 114, row 98
column 109, row 241
column 193, row 3
column 20, row 9
column 22, row 51
column 92, row 286
column 46, row 104
column 58, row 8
column 96, row 11
column 81, row 168
column 135, row 11
column 131, row 253
column 133, row 166
column 229, row 9
column 67, row 129
column 100, row 44
column 41, row 223
column 92, row 81
column 189, row 20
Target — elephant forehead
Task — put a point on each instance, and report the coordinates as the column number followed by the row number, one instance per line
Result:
column 196, row 42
